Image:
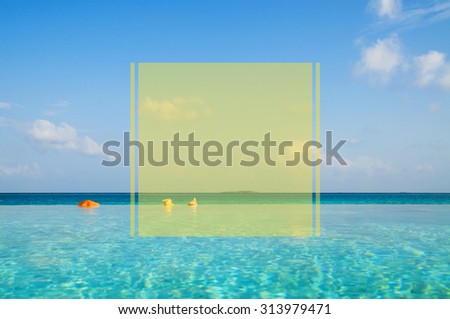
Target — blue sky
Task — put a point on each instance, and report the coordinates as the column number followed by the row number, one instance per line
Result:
column 64, row 81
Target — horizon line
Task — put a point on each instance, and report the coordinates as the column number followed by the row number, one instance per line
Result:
column 226, row 192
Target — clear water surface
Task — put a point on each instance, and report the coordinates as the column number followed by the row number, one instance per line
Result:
column 364, row 251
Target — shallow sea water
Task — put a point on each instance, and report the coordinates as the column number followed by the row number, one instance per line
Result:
column 364, row 251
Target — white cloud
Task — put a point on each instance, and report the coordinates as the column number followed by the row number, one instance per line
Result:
column 21, row 169
column 5, row 106
column 433, row 69
column 368, row 165
column 425, row 168
column 433, row 107
column 386, row 8
column 428, row 66
column 354, row 141
column 62, row 104
column 381, row 59
column 62, row 137
column 89, row 146
column 5, row 122
column 393, row 14
column 418, row 17
column 177, row 109
column 444, row 80
column 57, row 107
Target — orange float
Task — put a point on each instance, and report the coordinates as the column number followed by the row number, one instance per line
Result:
column 88, row 204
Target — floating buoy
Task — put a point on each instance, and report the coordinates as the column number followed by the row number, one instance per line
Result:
column 167, row 202
column 193, row 203
column 88, row 204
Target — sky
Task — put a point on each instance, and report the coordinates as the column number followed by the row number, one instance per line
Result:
column 65, row 82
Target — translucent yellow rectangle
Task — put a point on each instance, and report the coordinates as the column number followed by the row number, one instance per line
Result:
column 226, row 102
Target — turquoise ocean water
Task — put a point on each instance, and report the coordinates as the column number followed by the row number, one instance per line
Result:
column 371, row 246
column 227, row 198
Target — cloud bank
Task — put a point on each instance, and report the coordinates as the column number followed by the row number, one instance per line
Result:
column 61, row 137
column 384, row 58
column 386, row 8
column 5, row 106
column 20, row 170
